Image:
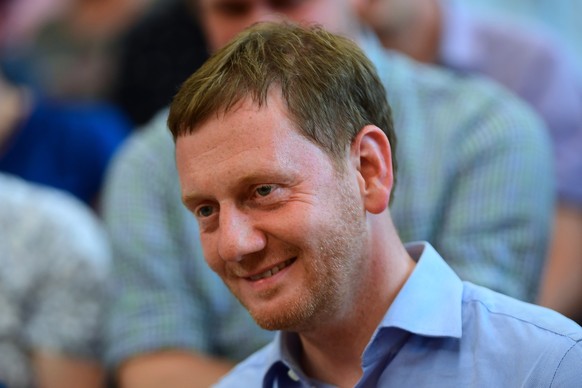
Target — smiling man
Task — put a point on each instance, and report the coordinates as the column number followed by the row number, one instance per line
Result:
column 474, row 180
column 284, row 145
column 264, row 214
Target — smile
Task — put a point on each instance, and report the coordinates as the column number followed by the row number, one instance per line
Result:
column 272, row 271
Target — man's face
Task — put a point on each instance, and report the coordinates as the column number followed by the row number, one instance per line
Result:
column 222, row 20
column 281, row 226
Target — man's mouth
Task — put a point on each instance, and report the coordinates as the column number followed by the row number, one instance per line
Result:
column 272, row 271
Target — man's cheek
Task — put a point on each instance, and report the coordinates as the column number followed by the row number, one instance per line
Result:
column 211, row 257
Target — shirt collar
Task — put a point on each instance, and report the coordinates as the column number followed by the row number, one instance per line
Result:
column 282, row 357
column 429, row 304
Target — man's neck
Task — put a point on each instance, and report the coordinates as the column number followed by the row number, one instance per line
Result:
column 333, row 351
column 419, row 39
column 335, row 356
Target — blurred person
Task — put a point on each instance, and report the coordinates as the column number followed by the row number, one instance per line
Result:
column 25, row 19
column 535, row 67
column 67, row 48
column 471, row 161
column 562, row 285
column 54, row 260
column 153, row 65
column 284, row 147
column 63, row 144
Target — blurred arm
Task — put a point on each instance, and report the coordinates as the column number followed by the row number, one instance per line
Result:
column 561, row 287
column 172, row 368
column 56, row 371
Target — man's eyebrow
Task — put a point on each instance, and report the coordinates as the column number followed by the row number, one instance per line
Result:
column 190, row 198
column 256, row 177
column 245, row 180
column 242, row 183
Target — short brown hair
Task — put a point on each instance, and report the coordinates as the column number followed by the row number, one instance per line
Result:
column 330, row 87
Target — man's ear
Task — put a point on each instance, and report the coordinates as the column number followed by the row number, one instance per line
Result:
column 371, row 155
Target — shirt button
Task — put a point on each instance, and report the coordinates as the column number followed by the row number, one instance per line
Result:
column 293, row 375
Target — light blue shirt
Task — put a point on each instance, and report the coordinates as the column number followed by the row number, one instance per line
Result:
column 442, row 332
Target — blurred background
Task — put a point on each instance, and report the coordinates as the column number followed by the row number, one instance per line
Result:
column 79, row 77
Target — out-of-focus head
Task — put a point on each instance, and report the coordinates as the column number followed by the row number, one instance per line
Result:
column 4, row 8
column 22, row 20
column 223, row 19
column 330, row 87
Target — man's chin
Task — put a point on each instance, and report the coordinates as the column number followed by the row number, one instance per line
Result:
column 274, row 309
column 275, row 322
column 281, row 316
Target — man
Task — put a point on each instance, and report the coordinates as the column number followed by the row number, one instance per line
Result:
column 531, row 64
column 471, row 162
column 283, row 149
column 54, row 261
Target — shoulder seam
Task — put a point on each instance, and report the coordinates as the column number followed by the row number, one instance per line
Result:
column 574, row 340
column 560, row 363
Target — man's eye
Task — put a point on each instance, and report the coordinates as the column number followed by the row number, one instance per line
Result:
column 204, row 211
column 264, row 190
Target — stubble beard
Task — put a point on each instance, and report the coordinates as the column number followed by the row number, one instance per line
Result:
column 331, row 276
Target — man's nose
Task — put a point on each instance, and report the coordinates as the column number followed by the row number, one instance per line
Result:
column 238, row 235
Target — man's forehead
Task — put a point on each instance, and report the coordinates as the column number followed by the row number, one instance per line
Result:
column 245, row 123
column 243, row 148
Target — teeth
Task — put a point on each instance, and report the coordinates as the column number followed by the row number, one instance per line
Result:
column 270, row 272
